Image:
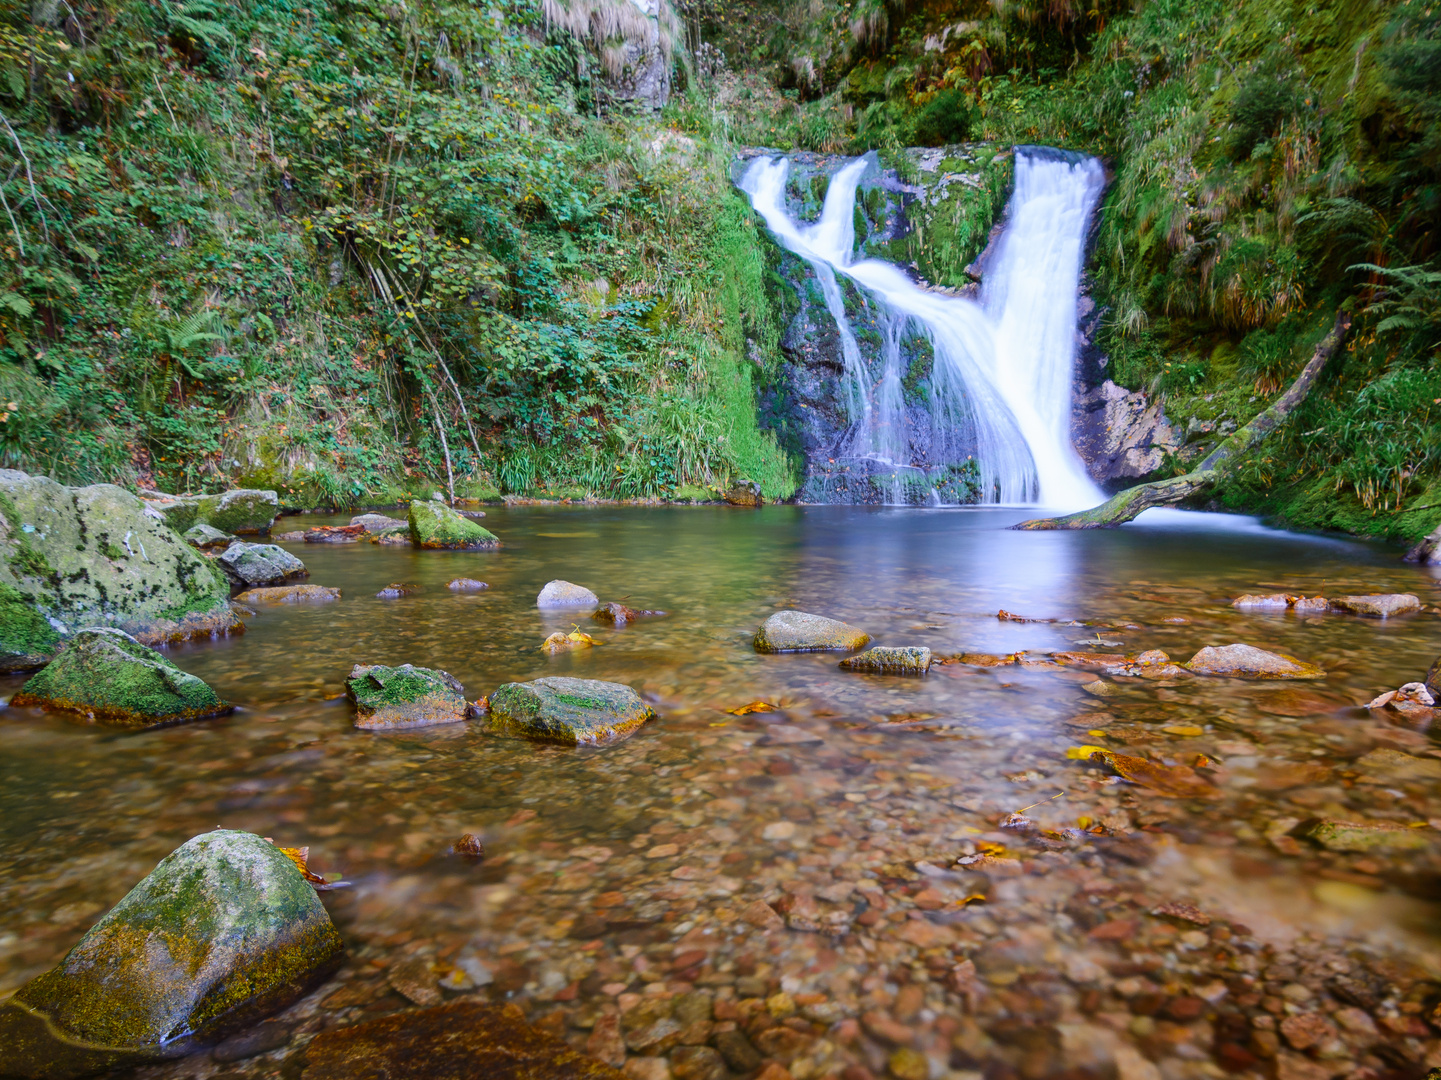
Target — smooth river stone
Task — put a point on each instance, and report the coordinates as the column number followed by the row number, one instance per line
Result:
column 289, row 594
column 572, row 711
column 259, row 564
column 389, row 698
column 206, row 536
column 563, row 594
column 1377, row 605
column 107, row 675
column 1248, row 662
column 1370, row 836
column 465, row 584
column 464, row 1040
column 373, row 523
column 910, row 660
column 224, row 931
column 798, row 631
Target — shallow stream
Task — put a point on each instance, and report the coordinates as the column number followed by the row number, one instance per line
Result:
column 631, row 872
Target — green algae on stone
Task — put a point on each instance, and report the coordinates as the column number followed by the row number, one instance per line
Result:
column 27, row 640
column 222, row 932
column 571, row 711
column 388, row 698
column 98, row 556
column 105, row 674
column 240, row 510
column 435, row 525
column 461, row 1040
column 910, row 660
column 798, row 631
column 1369, row 836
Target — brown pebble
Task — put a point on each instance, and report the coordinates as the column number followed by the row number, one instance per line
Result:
column 470, row 846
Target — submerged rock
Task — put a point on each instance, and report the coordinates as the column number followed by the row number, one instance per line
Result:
column 435, row 525
column 96, row 556
column 1377, row 605
column 620, row 615
column 374, row 523
column 334, row 534
column 206, row 536
column 462, row 1040
column 241, row 510
column 798, row 631
column 1268, row 602
column 105, row 674
column 465, row 584
column 1248, row 662
column 1368, row 836
column 225, row 930
column 289, row 594
column 572, row 711
column 260, row 564
column 911, row 660
column 560, row 594
column 396, row 589
column 387, row 698
column 1384, row 765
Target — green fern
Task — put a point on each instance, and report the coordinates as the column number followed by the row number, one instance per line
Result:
column 197, row 20
column 1411, row 302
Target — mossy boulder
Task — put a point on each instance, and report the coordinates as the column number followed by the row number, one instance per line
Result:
column 572, row 711
column 96, row 556
column 435, row 525
column 260, row 564
column 105, row 674
column 247, row 511
column 224, row 931
column 909, row 660
column 799, row 631
column 206, row 536
column 387, row 698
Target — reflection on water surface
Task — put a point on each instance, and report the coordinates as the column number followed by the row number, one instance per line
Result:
column 634, row 872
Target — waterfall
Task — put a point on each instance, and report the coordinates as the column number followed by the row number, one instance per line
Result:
column 1001, row 381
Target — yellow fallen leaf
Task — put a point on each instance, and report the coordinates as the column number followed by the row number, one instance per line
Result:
column 1188, row 731
column 1085, row 753
column 1173, row 781
column 301, row 858
column 754, row 707
column 558, row 642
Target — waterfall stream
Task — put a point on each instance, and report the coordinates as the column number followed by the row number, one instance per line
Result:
column 1001, row 380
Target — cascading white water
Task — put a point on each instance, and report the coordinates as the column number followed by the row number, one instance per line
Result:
column 1002, row 371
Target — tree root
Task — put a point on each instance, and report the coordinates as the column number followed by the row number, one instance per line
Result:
column 1124, row 506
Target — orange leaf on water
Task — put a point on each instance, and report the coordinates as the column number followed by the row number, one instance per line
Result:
column 1172, row 781
column 301, row 858
column 754, row 707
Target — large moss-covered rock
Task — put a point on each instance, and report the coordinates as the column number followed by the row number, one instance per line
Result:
column 96, row 556
column 572, row 711
column 461, row 1040
column 435, row 525
column 260, row 564
column 387, row 698
column 105, row 674
column 799, row 631
column 222, row 932
column 242, row 510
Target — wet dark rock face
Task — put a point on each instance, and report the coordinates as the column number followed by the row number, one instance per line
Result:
column 932, row 210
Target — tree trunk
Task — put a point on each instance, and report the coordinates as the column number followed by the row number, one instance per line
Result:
column 1124, row 506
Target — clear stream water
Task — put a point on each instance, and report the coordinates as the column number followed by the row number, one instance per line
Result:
column 1003, row 365
column 625, row 871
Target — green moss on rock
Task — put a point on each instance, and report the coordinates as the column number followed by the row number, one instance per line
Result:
column 27, row 640
column 105, row 674
column 571, row 711
column 98, row 556
column 222, row 932
column 387, row 698
column 435, row 525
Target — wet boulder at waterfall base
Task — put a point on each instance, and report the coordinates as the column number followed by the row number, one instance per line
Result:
column 71, row 558
column 909, row 660
column 260, row 564
column 247, row 511
column 224, row 931
column 391, row 698
column 1248, row 662
column 435, row 525
column 105, row 674
column 799, row 631
column 570, row 711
